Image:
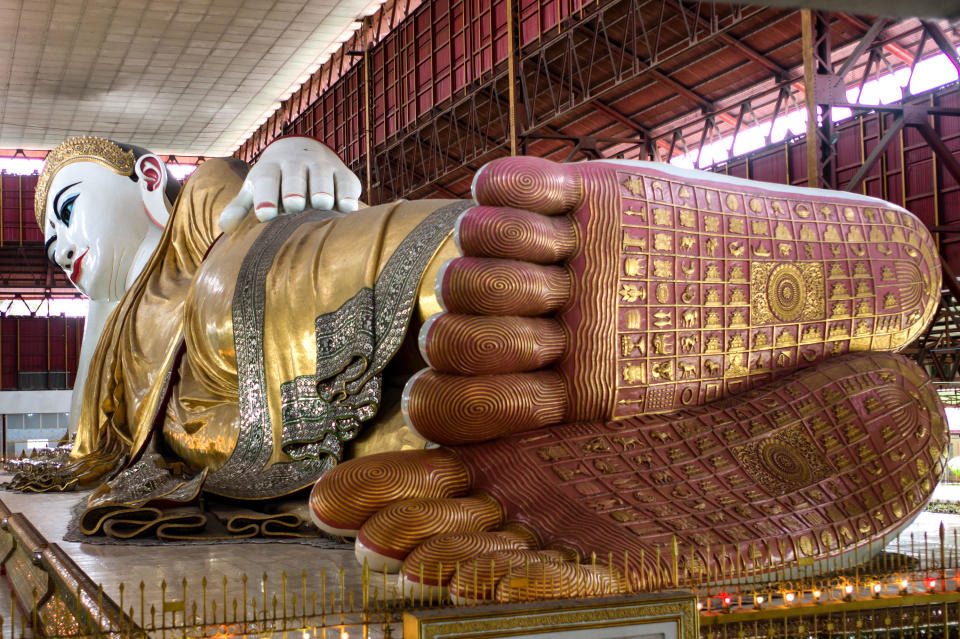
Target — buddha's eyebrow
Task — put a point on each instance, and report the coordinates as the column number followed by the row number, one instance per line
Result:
column 56, row 199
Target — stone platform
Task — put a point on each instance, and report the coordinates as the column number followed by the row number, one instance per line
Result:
column 70, row 588
column 129, row 588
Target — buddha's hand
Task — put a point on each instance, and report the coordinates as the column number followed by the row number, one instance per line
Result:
column 603, row 290
column 291, row 173
column 815, row 469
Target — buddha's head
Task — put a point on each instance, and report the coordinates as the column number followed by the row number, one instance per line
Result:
column 99, row 204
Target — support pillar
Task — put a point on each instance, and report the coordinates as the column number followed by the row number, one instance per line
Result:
column 821, row 88
column 512, row 73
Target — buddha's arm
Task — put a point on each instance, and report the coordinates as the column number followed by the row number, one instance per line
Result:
column 97, row 314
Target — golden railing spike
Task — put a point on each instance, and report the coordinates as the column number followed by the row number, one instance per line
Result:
column 943, row 565
column 456, row 580
column 626, row 571
column 657, row 568
column 243, row 579
column 723, row 562
column 675, row 560
column 283, row 595
column 643, row 571
column 263, row 594
column 365, row 579
column 421, row 583
column 303, row 595
column 526, row 574
column 323, row 598
column 439, row 582
column 708, row 562
column 384, row 587
column 476, row 575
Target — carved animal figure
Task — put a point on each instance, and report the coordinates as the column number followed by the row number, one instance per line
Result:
column 686, row 370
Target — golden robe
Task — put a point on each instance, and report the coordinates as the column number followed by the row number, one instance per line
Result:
column 260, row 355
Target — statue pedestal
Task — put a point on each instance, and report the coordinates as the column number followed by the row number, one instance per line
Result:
column 664, row 615
column 160, row 586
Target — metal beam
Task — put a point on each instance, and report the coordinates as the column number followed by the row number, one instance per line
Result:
column 660, row 76
column 935, row 32
column 892, row 48
column 738, row 44
column 868, row 39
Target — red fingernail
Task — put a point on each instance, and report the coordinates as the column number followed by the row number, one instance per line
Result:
column 266, row 205
column 288, row 195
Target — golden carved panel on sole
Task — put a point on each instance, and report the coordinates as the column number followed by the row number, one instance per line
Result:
column 727, row 284
column 786, row 292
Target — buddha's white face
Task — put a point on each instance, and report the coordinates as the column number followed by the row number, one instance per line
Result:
column 95, row 224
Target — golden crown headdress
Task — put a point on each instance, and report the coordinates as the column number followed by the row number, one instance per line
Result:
column 87, row 149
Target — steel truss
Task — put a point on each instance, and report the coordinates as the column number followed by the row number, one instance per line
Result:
column 593, row 54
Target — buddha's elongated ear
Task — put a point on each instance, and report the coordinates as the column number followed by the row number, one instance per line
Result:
column 152, row 176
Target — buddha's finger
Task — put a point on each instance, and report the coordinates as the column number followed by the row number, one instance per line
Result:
column 434, row 562
column 321, row 187
column 266, row 192
column 453, row 409
column 486, row 231
column 293, row 186
column 529, row 183
column 237, row 209
column 348, row 189
column 393, row 532
column 348, row 495
column 484, row 345
column 485, row 286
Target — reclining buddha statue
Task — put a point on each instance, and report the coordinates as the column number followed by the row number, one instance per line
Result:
column 683, row 372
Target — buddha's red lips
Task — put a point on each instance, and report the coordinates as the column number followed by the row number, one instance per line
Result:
column 75, row 272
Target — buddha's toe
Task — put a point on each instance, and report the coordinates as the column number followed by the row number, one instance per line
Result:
column 439, row 559
column 388, row 537
column 524, row 575
column 344, row 498
column 458, row 409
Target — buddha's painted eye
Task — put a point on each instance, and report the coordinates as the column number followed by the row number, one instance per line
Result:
column 66, row 209
column 49, row 248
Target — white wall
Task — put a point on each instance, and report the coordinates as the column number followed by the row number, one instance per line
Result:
column 40, row 401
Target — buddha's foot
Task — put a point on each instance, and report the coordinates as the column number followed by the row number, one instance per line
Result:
column 811, row 472
column 603, row 290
